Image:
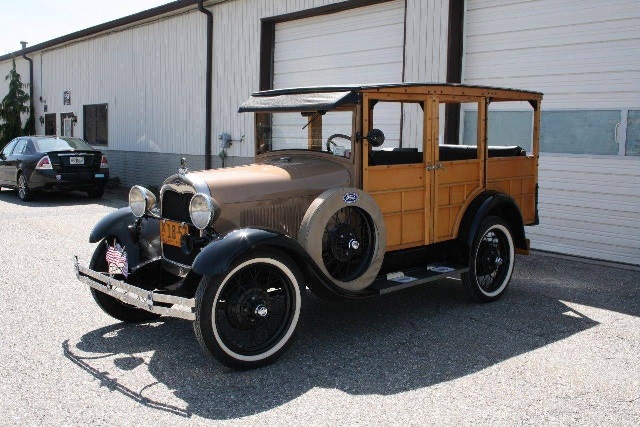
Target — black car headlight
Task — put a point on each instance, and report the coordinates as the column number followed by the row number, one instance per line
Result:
column 141, row 200
column 203, row 210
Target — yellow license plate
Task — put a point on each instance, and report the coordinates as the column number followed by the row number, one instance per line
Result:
column 171, row 232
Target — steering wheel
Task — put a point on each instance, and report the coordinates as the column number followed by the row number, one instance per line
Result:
column 336, row 135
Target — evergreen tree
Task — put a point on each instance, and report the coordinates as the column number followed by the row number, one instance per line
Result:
column 11, row 107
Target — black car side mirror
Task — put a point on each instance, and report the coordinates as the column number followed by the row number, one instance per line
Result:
column 375, row 137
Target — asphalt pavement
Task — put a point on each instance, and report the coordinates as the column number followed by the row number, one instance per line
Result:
column 562, row 347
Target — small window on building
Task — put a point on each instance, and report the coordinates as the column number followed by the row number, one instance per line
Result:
column 96, row 128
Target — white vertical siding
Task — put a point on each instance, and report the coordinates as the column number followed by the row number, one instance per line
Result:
column 427, row 29
column 151, row 76
column 582, row 54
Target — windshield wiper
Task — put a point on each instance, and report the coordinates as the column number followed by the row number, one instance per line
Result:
column 315, row 116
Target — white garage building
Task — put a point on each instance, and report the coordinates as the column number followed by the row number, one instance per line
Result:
column 136, row 87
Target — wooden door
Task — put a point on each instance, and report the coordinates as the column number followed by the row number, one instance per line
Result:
column 402, row 191
column 456, row 181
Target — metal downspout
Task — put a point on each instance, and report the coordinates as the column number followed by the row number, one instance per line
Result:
column 32, row 126
column 208, row 86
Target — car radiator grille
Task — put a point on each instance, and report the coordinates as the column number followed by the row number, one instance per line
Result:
column 175, row 206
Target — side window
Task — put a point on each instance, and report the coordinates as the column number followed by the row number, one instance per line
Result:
column 403, row 125
column 20, row 147
column 9, row 147
column 458, row 138
column 510, row 131
column 96, row 124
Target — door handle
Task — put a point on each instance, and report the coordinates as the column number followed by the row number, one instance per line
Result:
column 437, row 166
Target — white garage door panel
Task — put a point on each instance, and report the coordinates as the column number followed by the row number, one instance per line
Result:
column 589, row 206
column 362, row 45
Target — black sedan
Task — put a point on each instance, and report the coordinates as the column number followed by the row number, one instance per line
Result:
column 35, row 163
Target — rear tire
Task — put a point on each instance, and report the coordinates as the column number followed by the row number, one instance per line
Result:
column 490, row 261
column 108, row 304
column 246, row 317
column 96, row 193
column 24, row 192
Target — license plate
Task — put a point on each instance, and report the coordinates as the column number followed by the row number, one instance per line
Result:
column 76, row 160
column 171, row 232
column 99, row 175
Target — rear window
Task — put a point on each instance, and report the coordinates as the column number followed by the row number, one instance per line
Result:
column 61, row 144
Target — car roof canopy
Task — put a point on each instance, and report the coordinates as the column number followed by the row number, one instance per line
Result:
column 326, row 98
column 297, row 102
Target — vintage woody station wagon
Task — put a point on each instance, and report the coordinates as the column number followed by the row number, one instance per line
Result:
column 356, row 191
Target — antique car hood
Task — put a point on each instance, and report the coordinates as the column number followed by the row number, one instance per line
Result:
column 279, row 179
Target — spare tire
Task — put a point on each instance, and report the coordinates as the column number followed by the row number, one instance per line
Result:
column 343, row 231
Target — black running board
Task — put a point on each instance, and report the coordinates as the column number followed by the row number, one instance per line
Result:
column 415, row 276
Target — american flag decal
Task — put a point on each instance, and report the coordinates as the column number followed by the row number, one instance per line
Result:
column 117, row 259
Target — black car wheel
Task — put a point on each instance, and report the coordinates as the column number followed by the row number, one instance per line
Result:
column 96, row 193
column 490, row 262
column 246, row 318
column 108, row 304
column 24, row 192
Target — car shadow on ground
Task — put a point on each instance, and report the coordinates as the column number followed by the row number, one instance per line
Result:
column 112, row 199
column 401, row 342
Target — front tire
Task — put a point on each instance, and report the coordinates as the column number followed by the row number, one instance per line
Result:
column 490, row 261
column 246, row 317
column 108, row 304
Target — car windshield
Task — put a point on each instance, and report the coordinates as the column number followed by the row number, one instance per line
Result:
column 45, row 145
column 329, row 132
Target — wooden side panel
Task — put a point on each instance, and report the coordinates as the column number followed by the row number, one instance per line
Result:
column 457, row 185
column 515, row 176
column 399, row 190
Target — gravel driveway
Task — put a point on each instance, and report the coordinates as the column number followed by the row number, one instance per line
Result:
column 561, row 347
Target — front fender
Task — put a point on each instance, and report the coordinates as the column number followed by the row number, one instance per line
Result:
column 117, row 224
column 218, row 257
column 113, row 224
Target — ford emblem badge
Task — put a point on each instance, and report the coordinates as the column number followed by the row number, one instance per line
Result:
column 350, row 197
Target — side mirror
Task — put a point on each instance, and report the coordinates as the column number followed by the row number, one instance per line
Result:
column 375, row 137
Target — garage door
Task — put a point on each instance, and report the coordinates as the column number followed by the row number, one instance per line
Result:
column 357, row 46
column 362, row 45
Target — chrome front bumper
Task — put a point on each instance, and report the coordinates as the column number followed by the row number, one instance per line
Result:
column 143, row 299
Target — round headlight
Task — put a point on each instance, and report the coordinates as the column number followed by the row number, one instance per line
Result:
column 203, row 210
column 141, row 200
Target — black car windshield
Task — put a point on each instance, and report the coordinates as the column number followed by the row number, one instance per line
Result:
column 45, row 145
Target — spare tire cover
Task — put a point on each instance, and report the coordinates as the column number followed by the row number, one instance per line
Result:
column 322, row 211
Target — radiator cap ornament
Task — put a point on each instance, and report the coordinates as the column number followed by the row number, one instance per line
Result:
column 183, row 166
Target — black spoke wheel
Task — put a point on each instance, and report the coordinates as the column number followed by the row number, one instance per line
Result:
column 347, row 247
column 491, row 261
column 247, row 317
